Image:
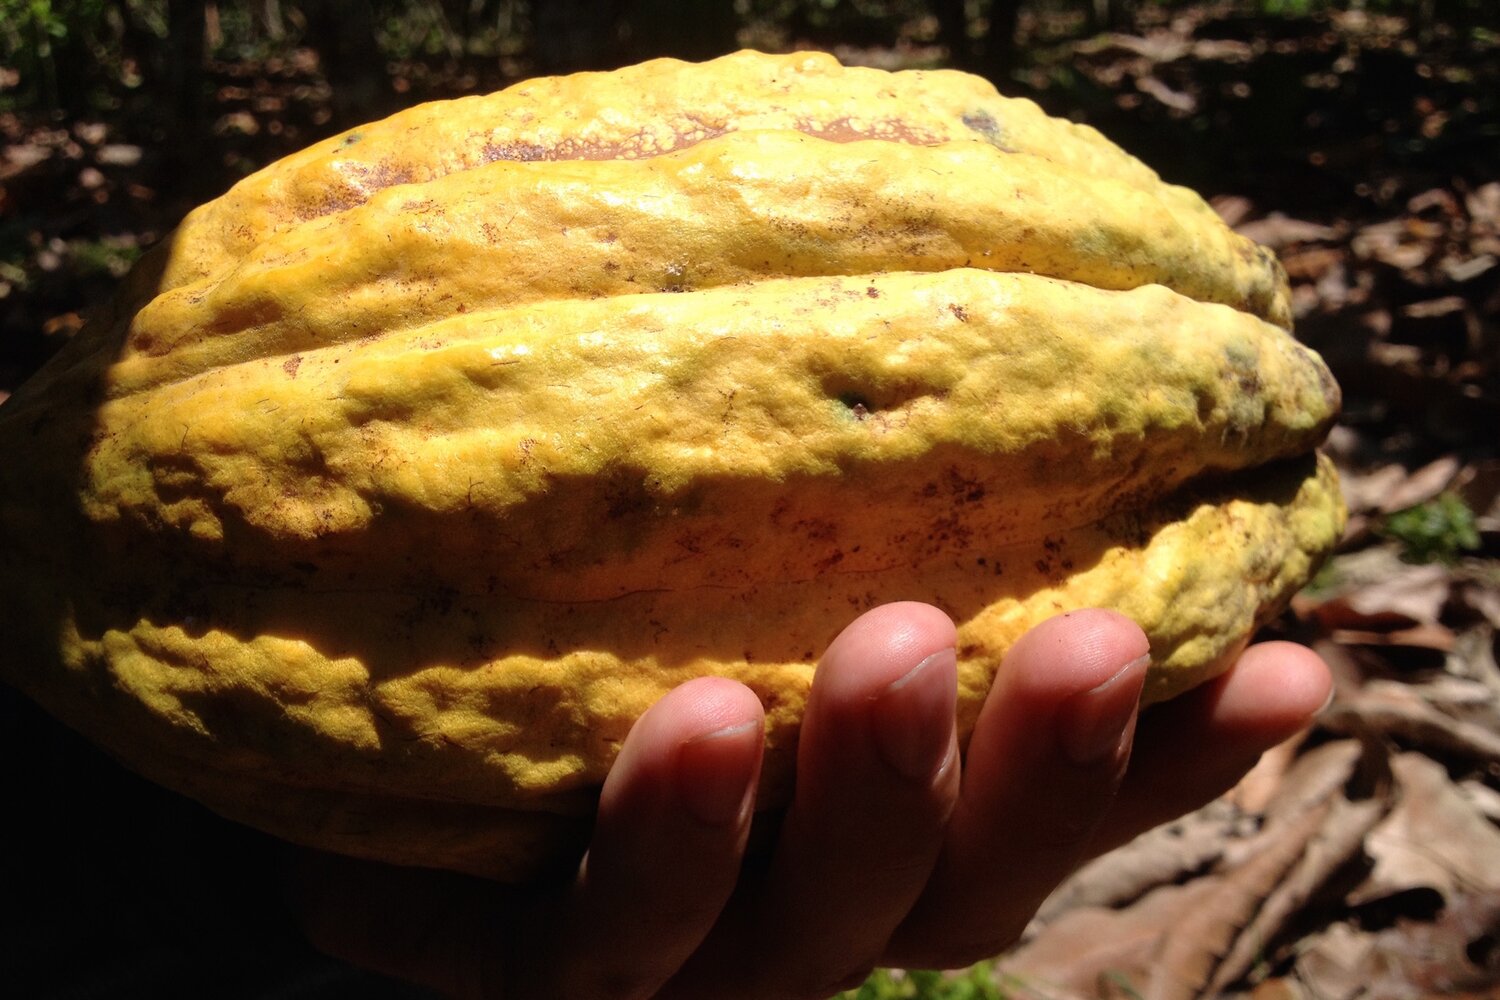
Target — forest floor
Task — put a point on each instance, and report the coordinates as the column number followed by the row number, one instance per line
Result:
column 1362, row 859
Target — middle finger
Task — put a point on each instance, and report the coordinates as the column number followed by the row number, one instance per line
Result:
column 877, row 775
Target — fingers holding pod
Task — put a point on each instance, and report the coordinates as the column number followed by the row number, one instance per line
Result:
column 1196, row 747
column 1048, row 752
column 877, row 776
column 673, row 818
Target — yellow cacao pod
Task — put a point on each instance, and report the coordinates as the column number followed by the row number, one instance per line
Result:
column 402, row 478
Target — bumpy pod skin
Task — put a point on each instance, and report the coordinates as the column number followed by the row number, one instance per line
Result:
column 397, row 484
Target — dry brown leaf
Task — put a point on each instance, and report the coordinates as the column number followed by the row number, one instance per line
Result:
column 1310, row 830
column 1429, row 636
column 1163, row 856
column 1337, row 842
column 1483, row 204
column 1474, row 658
column 1281, row 988
column 1259, row 786
column 1377, row 590
column 1174, row 99
column 1191, row 954
column 1232, row 208
column 1367, row 491
column 1277, row 231
column 1333, row 287
column 1433, row 839
column 1485, row 601
column 20, row 157
column 1334, row 965
column 1167, row 46
column 1395, row 243
column 1484, row 799
column 1344, row 445
column 1404, row 256
column 1405, row 357
column 1422, row 485
column 1313, row 263
column 1316, row 777
column 1222, row 50
column 1414, row 593
column 1461, row 269
column 1454, row 956
column 1393, row 711
column 1376, row 322
column 63, row 325
column 1424, row 229
column 1433, row 198
column 119, row 155
column 1435, row 308
column 1460, row 696
column 1090, row 948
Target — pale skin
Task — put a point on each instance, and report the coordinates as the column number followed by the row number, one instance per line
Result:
column 895, row 851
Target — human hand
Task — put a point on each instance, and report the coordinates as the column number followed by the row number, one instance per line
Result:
column 893, row 852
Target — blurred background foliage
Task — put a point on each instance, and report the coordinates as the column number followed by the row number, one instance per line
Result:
column 76, row 56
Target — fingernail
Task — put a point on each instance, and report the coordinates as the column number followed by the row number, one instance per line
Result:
column 1095, row 724
column 913, row 717
column 716, row 772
